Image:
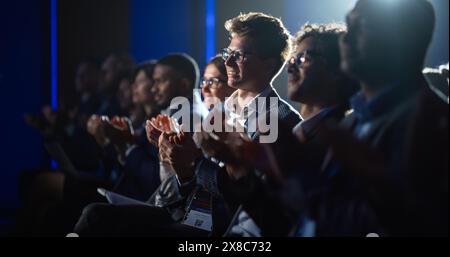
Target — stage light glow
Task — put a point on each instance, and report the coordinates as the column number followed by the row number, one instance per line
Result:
column 210, row 29
column 54, row 53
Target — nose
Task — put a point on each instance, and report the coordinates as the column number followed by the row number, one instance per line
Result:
column 206, row 90
column 292, row 67
column 229, row 61
column 154, row 89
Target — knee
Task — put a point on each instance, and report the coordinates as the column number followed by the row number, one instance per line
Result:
column 92, row 215
column 96, row 211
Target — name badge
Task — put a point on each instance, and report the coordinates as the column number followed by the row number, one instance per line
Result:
column 198, row 214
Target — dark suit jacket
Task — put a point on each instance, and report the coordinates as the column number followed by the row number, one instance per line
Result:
column 355, row 204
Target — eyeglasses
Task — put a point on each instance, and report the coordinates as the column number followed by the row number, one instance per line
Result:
column 237, row 55
column 303, row 57
column 212, row 83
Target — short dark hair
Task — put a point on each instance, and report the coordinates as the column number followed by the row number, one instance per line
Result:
column 326, row 38
column 183, row 64
column 147, row 67
column 271, row 38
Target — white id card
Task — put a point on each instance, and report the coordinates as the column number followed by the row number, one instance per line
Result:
column 198, row 219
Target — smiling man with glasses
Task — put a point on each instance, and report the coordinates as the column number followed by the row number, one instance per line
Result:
column 259, row 47
column 314, row 75
column 258, row 50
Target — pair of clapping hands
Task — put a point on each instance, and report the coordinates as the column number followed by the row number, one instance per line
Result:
column 235, row 149
column 117, row 130
column 176, row 147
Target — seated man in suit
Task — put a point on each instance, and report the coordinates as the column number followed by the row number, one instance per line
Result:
column 369, row 189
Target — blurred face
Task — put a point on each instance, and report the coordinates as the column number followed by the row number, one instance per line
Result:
column 365, row 50
column 307, row 73
column 108, row 73
column 165, row 85
column 142, row 87
column 244, row 67
column 86, row 78
column 124, row 94
column 215, row 88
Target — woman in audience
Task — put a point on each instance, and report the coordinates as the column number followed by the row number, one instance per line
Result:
column 214, row 83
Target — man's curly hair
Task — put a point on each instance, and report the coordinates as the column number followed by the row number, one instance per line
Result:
column 326, row 37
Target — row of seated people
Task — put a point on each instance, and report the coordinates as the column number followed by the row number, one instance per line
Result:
column 366, row 153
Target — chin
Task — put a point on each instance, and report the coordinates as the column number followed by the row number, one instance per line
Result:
column 234, row 84
column 208, row 104
column 291, row 93
column 291, row 97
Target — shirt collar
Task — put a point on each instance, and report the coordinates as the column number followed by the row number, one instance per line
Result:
column 391, row 96
column 252, row 105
